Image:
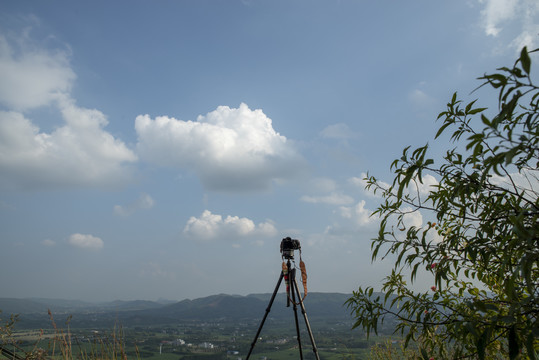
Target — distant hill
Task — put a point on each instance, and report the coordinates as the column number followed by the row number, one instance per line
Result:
column 40, row 305
column 212, row 308
column 21, row 306
column 234, row 307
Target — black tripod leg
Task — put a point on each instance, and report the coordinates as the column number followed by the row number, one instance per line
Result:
column 268, row 309
column 292, row 274
column 296, row 289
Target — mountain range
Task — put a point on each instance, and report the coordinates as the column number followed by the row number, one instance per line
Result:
column 220, row 307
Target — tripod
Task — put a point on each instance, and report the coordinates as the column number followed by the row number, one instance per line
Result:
column 291, row 291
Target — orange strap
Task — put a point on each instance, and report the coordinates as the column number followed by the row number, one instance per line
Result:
column 303, row 277
column 303, row 280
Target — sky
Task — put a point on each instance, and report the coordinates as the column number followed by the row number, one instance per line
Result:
column 162, row 149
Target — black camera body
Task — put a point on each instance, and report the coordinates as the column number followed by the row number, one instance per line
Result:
column 288, row 245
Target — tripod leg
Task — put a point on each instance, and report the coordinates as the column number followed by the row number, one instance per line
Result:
column 296, row 289
column 286, row 273
column 292, row 274
column 268, row 309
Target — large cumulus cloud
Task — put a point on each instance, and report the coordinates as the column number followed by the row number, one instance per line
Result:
column 230, row 149
column 79, row 152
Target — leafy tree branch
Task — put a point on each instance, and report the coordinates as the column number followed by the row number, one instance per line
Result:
column 483, row 247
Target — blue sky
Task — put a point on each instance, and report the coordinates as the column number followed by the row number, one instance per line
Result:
column 163, row 149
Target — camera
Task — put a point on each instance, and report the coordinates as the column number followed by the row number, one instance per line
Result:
column 288, row 246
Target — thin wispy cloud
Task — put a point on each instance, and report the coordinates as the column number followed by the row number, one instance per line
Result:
column 339, row 131
column 332, row 199
column 85, row 241
column 48, row 242
column 144, row 202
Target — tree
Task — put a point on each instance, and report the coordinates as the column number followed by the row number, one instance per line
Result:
column 482, row 245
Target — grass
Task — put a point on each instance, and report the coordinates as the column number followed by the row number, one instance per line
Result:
column 292, row 353
column 60, row 344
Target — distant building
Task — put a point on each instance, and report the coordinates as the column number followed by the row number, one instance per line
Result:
column 277, row 342
column 178, row 342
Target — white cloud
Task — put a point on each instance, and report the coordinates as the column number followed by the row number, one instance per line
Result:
column 412, row 218
column 359, row 181
column 331, row 199
column 496, row 12
column 322, row 185
column 362, row 183
column 354, row 221
column 211, row 226
column 32, row 77
column 79, row 153
column 48, row 242
column 358, row 214
column 526, row 183
column 229, row 149
column 421, row 100
column 418, row 96
column 145, row 201
column 428, row 183
column 521, row 14
column 359, row 217
column 338, row 131
column 85, row 241
column 329, row 193
column 155, row 271
column 528, row 37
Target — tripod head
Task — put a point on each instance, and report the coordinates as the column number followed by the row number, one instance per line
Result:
column 288, row 245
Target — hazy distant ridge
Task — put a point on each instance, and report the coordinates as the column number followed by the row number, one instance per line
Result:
column 215, row 307
column 40, row 305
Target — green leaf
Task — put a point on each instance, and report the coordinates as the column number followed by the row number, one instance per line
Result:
column 514, row 349
column 529, row 346
column 496, row 80
column 471, row 329
column 485, row 120
column 491, row 307
column 469, row 106
column 525, row 60
column 476, row 111
column 480, row 349
column 442, row 128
